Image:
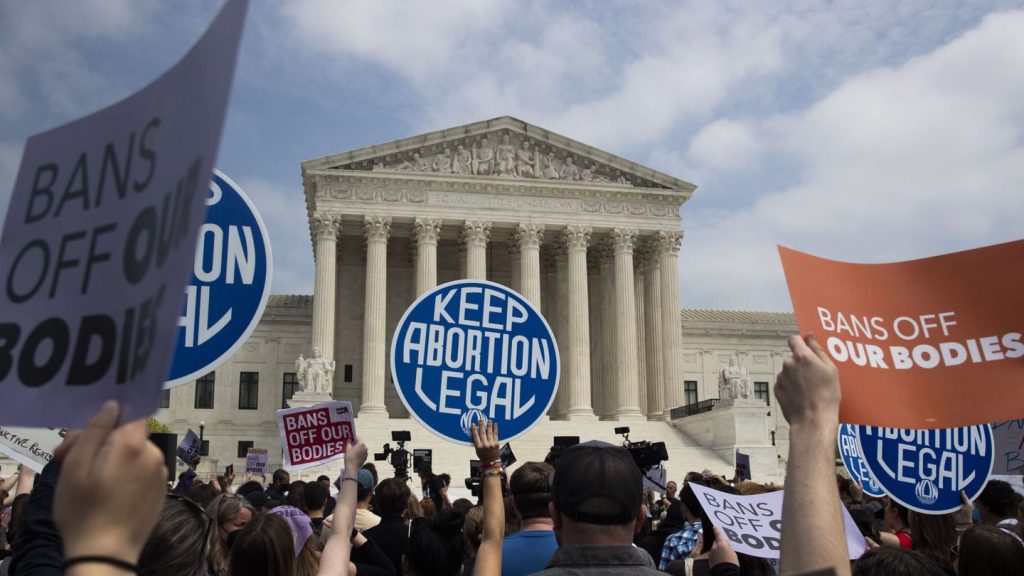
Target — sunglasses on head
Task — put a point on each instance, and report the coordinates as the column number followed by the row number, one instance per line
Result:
column 190, row 503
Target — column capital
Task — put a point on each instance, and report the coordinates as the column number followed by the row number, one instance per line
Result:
column 476, row 232
column 377, row 228
column 326, row 225
column 577, row 237
column 426, row 229
column 604, row 249
column 669, row 242
column 528, row 235
column 624, row 239
column 513, row 248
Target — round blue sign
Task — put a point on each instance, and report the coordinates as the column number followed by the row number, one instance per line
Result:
column 471, row 350
column 230, row 283
column 854, row 463
column 925, row 470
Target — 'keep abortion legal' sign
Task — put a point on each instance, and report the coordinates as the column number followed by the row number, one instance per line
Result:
column 100, row 236
column 913, row 339
column 472, row 350
column 847, row 439
column 317, row 434
column 925, row 470
column 230, row 284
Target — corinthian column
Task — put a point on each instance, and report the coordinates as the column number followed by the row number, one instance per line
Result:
column 377, row 229
column 594, row 283
column 606, row 256
column 626, row 371
column 426, row 232
column 639, row 263
column 528, row 237
column 558, row 319
column 326, row 228
column 671, row 329
column 476, row 234
column 577, row 346
column 514, row 267
column 652, row 330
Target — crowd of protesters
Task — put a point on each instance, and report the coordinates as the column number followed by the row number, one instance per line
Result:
column 102, row 507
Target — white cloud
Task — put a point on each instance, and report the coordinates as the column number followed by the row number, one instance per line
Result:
column 284, row 213
column 896, row 163
column 725, row 144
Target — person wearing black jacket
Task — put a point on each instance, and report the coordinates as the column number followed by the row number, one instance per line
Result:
column 392, row 534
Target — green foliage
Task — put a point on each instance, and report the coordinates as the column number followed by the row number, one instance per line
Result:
column 157, row 427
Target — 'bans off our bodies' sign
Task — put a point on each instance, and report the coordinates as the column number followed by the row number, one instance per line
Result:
column 925, row 470
column 312, row 435
column 471, row 350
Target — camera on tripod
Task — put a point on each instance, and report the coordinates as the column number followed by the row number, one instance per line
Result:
column 397, row 457
column 647, row 455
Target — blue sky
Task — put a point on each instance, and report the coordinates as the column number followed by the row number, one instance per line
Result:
column 863, row 130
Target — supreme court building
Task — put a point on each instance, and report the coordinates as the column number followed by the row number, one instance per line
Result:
column 589, row 237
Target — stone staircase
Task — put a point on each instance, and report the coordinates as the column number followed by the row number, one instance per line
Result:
column 684, row 454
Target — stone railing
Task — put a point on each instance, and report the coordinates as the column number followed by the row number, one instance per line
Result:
column 695, row 408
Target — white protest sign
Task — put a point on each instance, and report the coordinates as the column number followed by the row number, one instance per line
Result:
column 256, row 462
column 753, row 524
column 190, row 448
column 655, row 480
column 100, row 237
column 317, row 434
column 1009, row 447
column 32, row 447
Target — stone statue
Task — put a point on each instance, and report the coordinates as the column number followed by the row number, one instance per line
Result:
column 506, row 157
column 483, row 159
column 524, row 161
column 547, row 167
column 315, row 374
column 587, row 175
column 569, row 170
column 463, row 161
column 443, row 162
column 733, row 383
column 417, row 164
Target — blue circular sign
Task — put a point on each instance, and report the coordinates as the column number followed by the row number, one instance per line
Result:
column 925, row 470
column 230, row 283
column 854, row 463
column 471, row 350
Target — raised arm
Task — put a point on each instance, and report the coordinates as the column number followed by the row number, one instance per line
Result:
column 334, row 560
column 488, row 557
column 812, row 525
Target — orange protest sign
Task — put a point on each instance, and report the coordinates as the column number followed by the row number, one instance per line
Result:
column 930, row 343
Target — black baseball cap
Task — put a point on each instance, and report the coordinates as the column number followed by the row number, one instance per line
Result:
column 597, row 483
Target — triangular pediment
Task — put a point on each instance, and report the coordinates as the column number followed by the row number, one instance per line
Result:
column 503, row 148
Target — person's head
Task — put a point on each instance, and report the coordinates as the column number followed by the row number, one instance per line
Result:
column 596, row 495
column 888, row 561
column 180, row 542
column 473, row 529
column 373, row 470
column 265, row 547
column 692, row 508
column 260, row 502
column 989, row 550
column 230, row 513
column 463, row 505
column 428, row 508
column 897, row 516
column 934, row 536
column 425, row 471
column 316, row 496
column 997, row 501
column 324, row 481
column 202, row 494
column 281, row 479
column 297, row 495
column 674, row 519
column 194, row 463
column 530, row 486
column 298, row 524
column 436, row 548
column 365, row 490
column 671, row 489
column 249, row 487
column 392, row 497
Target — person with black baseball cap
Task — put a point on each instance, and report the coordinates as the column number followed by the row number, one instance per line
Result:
column 596, row 497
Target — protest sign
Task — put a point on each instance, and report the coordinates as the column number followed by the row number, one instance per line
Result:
column 911, row 338
column 848, row 451
column 191, row 447
column 655, row 480
column 925, row 470
column 421, row 456
column 256, row 462
column 230, row 284
column 742, row 465
column 1009, row 450
column 472, row 350
column 32, row 447
column 316, row 434
column 508, row 457
column 99, row 237
column 753, row 524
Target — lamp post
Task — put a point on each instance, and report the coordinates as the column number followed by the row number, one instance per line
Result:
column 202, row 427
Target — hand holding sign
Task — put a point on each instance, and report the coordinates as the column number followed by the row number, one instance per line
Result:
column 808, row 386
column 113, row 523
column 355, row 454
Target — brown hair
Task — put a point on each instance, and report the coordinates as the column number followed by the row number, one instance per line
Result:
column 265, row 547
column 531, row 490
column 934, row 536
column 989, row 550
column 428, row 507
column 473, row 529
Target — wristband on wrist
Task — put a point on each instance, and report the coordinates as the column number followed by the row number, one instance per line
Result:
column 356, row 480
column 495, row 472
column 108, row 560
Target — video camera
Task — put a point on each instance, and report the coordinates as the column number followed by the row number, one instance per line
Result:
column 559, row 444
column 397, row 457
column 646, row 454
